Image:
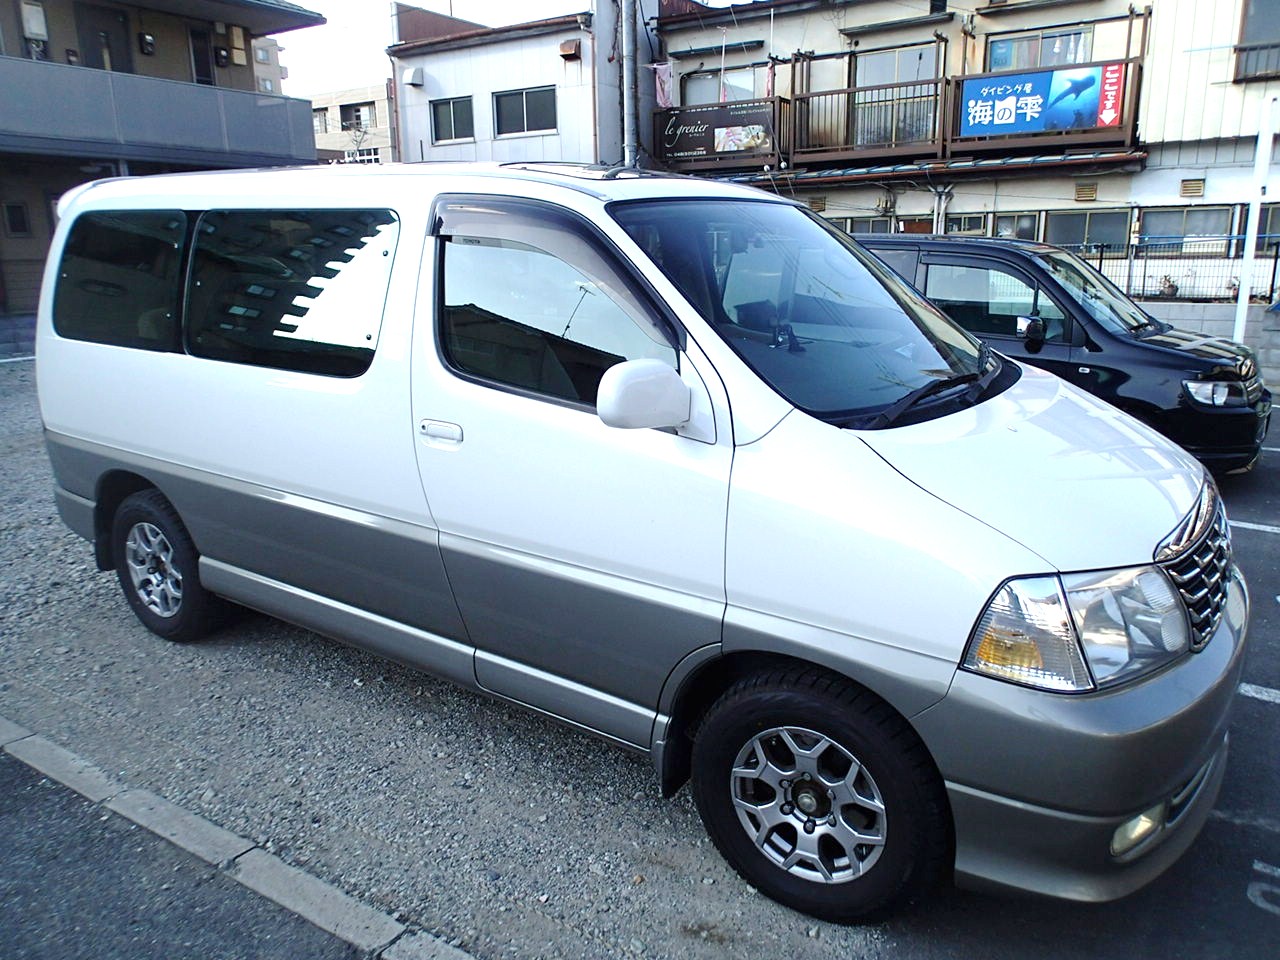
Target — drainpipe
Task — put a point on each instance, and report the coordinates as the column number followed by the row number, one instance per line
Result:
column 941, row 200
column 629, row 150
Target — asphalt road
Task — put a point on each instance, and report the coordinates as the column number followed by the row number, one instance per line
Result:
column 517, row 837
column 76, row 882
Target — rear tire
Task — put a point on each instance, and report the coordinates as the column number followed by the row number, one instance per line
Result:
column 158, row 568
column 820, row 795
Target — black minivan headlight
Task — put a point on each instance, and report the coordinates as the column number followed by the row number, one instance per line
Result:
column 1217, row 393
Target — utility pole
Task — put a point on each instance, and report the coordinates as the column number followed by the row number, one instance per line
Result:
column 1258, row 190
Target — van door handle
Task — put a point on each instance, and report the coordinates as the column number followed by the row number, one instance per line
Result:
column 441, row 432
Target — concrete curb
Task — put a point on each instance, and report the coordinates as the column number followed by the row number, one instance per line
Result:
column 379, row 935
column 314, row 900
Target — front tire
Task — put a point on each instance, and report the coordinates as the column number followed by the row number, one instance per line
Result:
column 820, row 795
column 158, row 568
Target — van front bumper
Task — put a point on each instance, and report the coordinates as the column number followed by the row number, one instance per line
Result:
column 1225, row 439
column 1039, row 782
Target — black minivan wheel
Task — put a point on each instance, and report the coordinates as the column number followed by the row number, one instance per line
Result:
column 158, row 569
column 820, row 795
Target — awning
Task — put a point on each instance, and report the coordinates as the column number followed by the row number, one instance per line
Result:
column 929, row 168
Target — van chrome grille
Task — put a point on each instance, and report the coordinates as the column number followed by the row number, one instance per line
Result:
column 1197, row 558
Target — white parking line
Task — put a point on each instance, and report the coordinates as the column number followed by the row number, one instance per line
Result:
column 1262, row 527
column 16, row 359
column 1272, row 449
column 1260, row 693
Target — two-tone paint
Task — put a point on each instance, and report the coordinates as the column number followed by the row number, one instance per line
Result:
column 619, row 579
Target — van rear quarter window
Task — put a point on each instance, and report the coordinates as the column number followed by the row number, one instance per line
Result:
column 120, row 278
column 291, row 289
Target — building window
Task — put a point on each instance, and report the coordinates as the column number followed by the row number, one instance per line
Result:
column 524, row 111
column 1097, row 231
column 266, row 85
column 902, row 107
column 362, row 155
column 17, row 221
column 452, row 120
column 1040, row 48
column 358, row 116
column 715, row 86
column 320, row 120
column 1198, row 231
column 1019, row 226
column 290, row 289
column 970, row 224
column 857, row 225
column 1269, row 230
column 1258, row 53
column 262, row 54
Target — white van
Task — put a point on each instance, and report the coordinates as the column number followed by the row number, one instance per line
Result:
column 675, row 462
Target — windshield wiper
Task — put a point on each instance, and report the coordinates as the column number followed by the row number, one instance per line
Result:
column 980, row 378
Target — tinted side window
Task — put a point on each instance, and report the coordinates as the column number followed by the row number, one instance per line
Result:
column 539, row 309
column 901, row 261
column 294, row 289
column 988, row 301
column 119, row 279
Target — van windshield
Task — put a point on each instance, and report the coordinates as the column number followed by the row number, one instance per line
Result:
column 823, row 323
column 1099, row 297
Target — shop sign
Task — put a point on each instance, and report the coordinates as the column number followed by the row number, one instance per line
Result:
column 715, row 129
column 1043, row 101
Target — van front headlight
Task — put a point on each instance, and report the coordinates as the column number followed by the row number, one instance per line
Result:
column 1080, row 631
column 1217, row 393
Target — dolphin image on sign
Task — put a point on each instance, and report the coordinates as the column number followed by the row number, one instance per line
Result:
column 1075, row 88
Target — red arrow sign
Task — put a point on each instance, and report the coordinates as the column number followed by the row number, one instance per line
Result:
column 1111, row 96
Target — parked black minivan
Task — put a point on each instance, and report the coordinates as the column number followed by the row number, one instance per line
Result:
column 1045, row 306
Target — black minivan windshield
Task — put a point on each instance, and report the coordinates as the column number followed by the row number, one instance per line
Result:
column 1099, row 297
column 824, row 324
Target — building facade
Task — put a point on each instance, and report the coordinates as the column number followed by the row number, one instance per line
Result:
column 268, row 72
column 1127, row 133
column 94, row 90
column 356, row 126
column 549, row 90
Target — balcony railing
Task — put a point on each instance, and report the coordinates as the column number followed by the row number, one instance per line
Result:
column 52, row 108
column 894, row 118
column 740, row 133
column 1046, row 109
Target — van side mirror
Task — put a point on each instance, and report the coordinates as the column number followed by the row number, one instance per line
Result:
column 639, row 394
column 1031, row 329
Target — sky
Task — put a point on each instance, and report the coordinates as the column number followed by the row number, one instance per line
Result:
column 350, row 50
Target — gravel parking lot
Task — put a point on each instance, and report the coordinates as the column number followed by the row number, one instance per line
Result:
column 507, row 833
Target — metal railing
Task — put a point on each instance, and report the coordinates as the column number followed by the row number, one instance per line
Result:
column 886, row 117
column 1187, row 268
column 80, row 111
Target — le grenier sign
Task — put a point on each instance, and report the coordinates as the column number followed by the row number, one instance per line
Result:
column 1043, row 101
column 719, row 128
